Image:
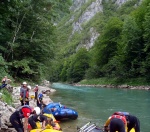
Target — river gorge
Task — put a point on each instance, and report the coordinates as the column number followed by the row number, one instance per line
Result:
column 97, row 104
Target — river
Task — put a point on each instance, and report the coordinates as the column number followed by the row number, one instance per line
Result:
column 97, row 104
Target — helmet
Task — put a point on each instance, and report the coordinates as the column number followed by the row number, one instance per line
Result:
column 37, row 110
column 24, row 83
column 36, row 85
column 29, row 87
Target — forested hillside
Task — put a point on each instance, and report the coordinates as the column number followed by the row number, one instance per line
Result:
column 121, row 44
column 27, row 36
column 72, row 40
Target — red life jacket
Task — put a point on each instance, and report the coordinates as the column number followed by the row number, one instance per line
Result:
column 121, row 113
column 122, row 117
column 19, row 110
column 36, row 89
column 27, row 94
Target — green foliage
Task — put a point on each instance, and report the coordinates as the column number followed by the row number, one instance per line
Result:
column 109, row 8
column 106, row 45
column 128, row 7
column 116, row 81
column 93, row 72
column 121, row 51
column 132, row 46
column 75, row 66
column 63, row 74
column 27, row 35
column 6, row 96
column 3, row 68
column 78, row 66
column 146, row 26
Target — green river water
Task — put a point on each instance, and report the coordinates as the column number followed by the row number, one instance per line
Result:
column 97, row 104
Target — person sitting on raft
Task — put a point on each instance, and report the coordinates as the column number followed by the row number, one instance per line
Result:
column 41, row 118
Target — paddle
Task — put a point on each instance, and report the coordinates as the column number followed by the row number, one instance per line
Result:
column 90, row 128
column 83, row 127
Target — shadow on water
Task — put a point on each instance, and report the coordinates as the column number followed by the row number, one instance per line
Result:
column 97, row 104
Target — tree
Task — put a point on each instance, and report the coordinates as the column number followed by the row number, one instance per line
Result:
column 29, row 37
column 107, row 44
column 78, row 66
column 132, row 46
column 146, row 26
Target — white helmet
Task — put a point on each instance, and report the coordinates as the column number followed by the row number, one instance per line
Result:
column 29, row 87
column 37, row 110
column 24, row 83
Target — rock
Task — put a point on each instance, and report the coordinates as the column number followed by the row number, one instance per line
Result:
column 125, row 86
column 6, row 110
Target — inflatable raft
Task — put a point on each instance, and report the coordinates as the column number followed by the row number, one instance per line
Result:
column 48, row 127
column 61, row 112
column 46, row 130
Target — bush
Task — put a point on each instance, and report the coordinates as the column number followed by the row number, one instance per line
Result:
column 6, row 96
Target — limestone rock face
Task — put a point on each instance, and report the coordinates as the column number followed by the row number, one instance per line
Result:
column 85, row 16
column 88, row 14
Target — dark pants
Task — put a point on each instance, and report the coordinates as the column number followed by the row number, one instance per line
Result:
column 16, row 122
column 133, row 123
column 117, row 125
column 36, row 93
column 39, row 104
column 32, row 122
column 3, row 86
column 21, row 102
column 26, row 102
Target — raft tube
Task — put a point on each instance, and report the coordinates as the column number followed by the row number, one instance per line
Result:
column 46, row 130
column 48, row 127
column 61, row 112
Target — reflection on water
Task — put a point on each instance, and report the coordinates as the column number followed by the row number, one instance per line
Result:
column 97, row 104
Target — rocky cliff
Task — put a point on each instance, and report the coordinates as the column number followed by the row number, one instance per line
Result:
column 82, row 13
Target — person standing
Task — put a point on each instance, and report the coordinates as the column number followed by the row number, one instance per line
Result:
column 23, row 93
column 5, row 81
column 27, row 95
column 40, row 100
column 36, row 89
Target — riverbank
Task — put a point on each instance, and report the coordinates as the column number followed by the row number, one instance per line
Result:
column 6, row 110
column 130, row 83
column 115, row 86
